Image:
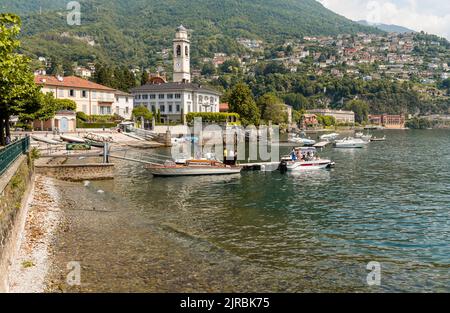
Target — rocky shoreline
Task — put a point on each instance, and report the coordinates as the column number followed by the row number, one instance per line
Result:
column 31, row 264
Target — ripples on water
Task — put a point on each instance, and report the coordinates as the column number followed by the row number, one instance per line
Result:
column 389, row 202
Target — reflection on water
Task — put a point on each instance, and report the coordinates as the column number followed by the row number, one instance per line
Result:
column 311, row 231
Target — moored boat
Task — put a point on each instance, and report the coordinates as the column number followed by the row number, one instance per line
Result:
column 305, row 159
column 193, row 168
column 330, row 137
column 350, row 143
column 375, row 139
column 45, row 140
column 72, row 139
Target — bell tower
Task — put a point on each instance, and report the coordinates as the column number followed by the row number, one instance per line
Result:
column 181, row 56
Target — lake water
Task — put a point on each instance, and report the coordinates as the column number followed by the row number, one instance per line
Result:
column 268, row 231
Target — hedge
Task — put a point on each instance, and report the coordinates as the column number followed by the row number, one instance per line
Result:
column 212, row 117
column 81, row 124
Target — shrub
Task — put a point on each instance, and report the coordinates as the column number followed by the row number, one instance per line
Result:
column 82, row 116
column 81, row 124
column 213, row 117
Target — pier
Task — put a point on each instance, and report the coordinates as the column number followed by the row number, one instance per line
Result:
column 261, row 166
column 322, row 144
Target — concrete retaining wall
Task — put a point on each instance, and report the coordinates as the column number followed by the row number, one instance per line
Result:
column 15, row 187
column 77, row 172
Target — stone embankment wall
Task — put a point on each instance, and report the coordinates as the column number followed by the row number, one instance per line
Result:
column 15, row 187
column 77, row 172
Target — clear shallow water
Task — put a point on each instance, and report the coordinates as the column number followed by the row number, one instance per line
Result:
column 389, row 203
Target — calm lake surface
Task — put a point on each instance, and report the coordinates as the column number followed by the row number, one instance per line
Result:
column 268, row 231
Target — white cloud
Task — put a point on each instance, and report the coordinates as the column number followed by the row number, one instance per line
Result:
column 432, row 16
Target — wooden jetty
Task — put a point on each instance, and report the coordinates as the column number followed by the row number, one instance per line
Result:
column 322, row 144
column 260, row 166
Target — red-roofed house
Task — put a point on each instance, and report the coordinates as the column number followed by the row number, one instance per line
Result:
column 91, row 98
column 224, row 107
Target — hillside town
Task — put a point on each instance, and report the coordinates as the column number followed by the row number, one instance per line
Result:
column 366, row 57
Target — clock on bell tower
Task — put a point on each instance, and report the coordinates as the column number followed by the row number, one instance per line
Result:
column 181, row 56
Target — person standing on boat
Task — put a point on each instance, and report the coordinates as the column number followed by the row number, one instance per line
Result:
column 293, row 155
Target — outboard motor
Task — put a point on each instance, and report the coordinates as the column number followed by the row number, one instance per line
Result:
column 283, row 167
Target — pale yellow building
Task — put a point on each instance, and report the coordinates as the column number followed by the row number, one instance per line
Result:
column 91, row 98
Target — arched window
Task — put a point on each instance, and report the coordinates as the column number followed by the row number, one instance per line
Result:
column 178, row 51
column 186, row 51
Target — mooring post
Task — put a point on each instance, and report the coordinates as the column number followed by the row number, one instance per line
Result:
column 105, row 153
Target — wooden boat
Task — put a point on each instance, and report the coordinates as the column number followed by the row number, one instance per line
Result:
column 72, row 139
column 45, row 140
column 98, row 138
column 95, row 143
column 193, row 168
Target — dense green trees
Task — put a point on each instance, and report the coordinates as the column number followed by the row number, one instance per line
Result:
column 109, row 33
column 419, row 123
column 272, row 108
column 120, row 78
column 241, row 102
column 18, row 92
column 142, row 112
column 48, row 107
column 361, row 110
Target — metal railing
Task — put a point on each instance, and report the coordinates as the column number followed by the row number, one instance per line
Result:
column 11, row 152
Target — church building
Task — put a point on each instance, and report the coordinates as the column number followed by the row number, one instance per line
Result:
column 180, row 97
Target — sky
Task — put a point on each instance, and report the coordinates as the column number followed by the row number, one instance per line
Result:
column 431, row 16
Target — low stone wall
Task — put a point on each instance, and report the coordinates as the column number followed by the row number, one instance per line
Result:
column 15, row 186
column 77, row 172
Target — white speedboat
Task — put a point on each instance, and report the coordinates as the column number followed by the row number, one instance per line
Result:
column 301, row 140
column 193, row 168
column 375, row 139
column 305, row 159
column 72, row 139
column 366, row 138
column 350, row 143
column 329, row 137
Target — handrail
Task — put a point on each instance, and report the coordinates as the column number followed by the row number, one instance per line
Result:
column 11, row 152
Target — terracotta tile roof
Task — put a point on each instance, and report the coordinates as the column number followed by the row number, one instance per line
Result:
column 69, row 81
column 224, row 107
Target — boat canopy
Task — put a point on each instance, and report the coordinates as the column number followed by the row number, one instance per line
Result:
column 306, row 149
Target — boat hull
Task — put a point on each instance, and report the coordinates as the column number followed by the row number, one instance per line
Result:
column 71, row 139
column 296, row 166
column 186, row 171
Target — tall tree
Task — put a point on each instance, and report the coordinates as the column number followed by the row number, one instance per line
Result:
column 241, row 101
column 361, row 110
column 144, row 77
column 272, row 108
column 18, row 92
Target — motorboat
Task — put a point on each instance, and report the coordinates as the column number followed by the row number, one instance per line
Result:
column 305, row 159
column 375, row 139
column 300, row 140
column 193, row 168
column 329, row 137
column 72, row 139
column 364, row 137
column 350, row 143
